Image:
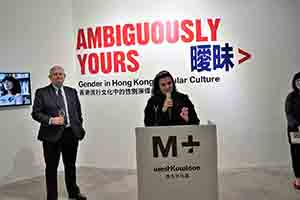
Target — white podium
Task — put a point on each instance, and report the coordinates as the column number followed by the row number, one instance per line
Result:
column 177, row 163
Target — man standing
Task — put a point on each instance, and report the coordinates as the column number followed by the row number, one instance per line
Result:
column 57, row 108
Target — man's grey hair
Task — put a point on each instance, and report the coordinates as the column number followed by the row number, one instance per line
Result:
column 55, row 67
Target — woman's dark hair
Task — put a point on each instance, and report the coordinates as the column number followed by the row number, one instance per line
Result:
column 16, row 85
column 296, row 76
column 155, row 87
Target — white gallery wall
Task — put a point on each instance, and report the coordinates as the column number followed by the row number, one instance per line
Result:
column 34, row 35
column 247, row 105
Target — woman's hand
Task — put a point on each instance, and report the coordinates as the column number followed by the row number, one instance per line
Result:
column 185, row 114
column 167, row 104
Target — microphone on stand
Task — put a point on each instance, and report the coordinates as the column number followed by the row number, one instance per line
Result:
column 155, row 107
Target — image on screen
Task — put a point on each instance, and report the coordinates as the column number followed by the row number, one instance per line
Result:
column 15, row 89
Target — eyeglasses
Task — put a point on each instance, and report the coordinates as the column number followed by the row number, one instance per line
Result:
column 168, row 83
column 58, row 74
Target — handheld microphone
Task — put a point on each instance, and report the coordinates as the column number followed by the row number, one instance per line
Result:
column 169, row 109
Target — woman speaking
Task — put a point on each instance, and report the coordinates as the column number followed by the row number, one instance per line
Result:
column 167, row 106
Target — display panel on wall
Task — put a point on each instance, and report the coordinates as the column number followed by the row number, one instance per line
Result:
column 15, row 89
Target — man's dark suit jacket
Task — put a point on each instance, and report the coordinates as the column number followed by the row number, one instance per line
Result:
column 45, row 106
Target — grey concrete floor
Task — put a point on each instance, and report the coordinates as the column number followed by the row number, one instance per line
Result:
column 100, row 184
